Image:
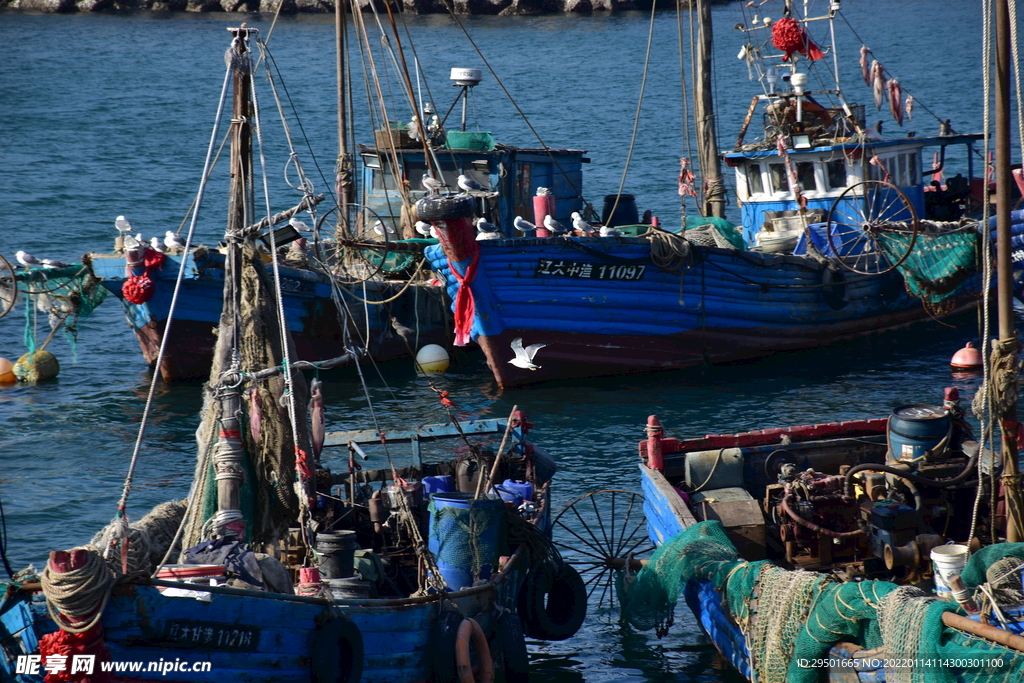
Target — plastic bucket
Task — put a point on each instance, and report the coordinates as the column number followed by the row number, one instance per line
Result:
column 337, row 551
column 524, row 488
column 915, row 428
column 947, row 561
column 509, row 495
column 462, row 528
column 442, row 483
column 626, row 212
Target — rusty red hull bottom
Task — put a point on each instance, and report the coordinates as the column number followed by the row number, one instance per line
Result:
column 571, row 355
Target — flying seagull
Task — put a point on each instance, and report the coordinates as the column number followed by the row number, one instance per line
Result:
column 432, row 184
column 524, row 357
column 423, row 228
column 523, row 225
column 26, row 259
column 469, row 185
column 172, row 241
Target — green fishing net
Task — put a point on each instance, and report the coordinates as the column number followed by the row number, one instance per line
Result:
column 64, row 295
column 794, row 617
column 938, row 264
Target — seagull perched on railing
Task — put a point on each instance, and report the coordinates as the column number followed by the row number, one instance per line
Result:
column 26, row 259
column 607, row 231
column 485, row 230
column 554, row 226
column 423, row 228
column 156, row 245
column 54, row 263
column 523, row 225
column 432, row 184
column 172, row 241
column 581, row 225
column 468, row 185
column 298, row 225
column 122, row 225
column 524, row 357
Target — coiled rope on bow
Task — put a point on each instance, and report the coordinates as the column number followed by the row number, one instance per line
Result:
column 78, row 595
column 670, row 252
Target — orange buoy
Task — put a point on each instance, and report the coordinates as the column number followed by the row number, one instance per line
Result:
column 7, row 372
column 967, row 358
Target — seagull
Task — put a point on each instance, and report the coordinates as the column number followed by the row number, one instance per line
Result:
column 404, row 331
column 554, row 226
column 486, row 230
column 523, row 225
column 581, row 225
column 298, row 225
column 469, row 185
column 945, row 128
column 607, row 231
column 383, row 230
column 26, row 259
column 133, row 242
column 122, row 225
column 423, row 228
column 156, row 245
column 524, row 357
column 543, row 192
column 433, row 232
column 432, row 184
column 172, row 241
column 54, row 263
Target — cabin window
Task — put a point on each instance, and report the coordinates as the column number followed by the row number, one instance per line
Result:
column 913, row 172
column 754, row 183
column 901, row 174
column 383, row 177
column 805, row 175
column 777, row 172
column 836, row 172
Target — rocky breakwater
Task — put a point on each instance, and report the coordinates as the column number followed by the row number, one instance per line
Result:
column 502, row 7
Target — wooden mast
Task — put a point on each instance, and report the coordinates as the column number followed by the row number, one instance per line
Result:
column 343, row 168
column 1008, row 342
column 704, row 117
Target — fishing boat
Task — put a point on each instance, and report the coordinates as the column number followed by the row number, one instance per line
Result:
column 839, row 238
column 276, row 568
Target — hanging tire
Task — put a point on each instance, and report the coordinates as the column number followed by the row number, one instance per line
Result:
column 337, row 655
column 512, row 640
column 441, row 650
column 553, row 605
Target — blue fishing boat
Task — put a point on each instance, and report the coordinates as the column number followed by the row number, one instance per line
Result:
column 839, row 238
column 278, row 568
column 808, row 553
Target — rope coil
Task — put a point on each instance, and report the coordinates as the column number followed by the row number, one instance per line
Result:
column 76, row 598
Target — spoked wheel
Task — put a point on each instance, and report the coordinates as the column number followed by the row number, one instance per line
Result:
column 598, row 533
column 865, row 215
column 8, row 287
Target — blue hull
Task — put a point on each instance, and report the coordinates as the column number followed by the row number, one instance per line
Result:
column 318, row 329
column 603, row 306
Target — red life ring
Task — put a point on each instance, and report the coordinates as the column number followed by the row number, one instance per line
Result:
column 470, row 629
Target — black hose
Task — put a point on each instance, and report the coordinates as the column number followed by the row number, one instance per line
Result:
column 3, row 544
column 924, row 481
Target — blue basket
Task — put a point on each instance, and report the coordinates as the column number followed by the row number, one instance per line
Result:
column 845, row 237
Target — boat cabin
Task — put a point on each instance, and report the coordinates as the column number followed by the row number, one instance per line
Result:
column 824, row 172
column 511, row 174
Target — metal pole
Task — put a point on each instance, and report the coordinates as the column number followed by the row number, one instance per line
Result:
column 343, row 170
column 1007, row 331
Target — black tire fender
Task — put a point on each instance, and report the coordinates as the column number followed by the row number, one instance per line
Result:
column 441, row 646
column 512, row 640
column 553, row 604
column 337, row 655
column 444, row 207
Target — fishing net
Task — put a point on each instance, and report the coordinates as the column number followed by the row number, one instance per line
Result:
column 789, row 616
column 461, row 533
column 938, row 264
column 719, row 231
column 65, row 296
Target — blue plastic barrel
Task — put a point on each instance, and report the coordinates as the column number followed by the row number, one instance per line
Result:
column 442, row 483
column 626, row 212
column 455, row 535
column 509, row 495
column 524, row 488
column 916, row 427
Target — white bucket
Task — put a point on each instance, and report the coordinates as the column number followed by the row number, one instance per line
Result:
column 947, row 561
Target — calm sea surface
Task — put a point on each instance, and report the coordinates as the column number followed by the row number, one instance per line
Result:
column 108, row 115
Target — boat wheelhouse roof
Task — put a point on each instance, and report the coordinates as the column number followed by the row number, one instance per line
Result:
column 929, row 141
column 498, row 149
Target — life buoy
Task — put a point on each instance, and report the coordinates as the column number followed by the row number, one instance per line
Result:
column 553, row 604
column 469, row 630
column 516, row 660
column 337, row 655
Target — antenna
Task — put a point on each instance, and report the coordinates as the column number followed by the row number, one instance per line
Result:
column 465, row 79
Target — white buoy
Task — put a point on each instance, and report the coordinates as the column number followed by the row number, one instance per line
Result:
column 432, row 359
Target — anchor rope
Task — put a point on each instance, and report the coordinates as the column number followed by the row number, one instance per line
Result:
column 78, row 595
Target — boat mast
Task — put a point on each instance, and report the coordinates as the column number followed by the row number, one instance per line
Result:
column 1004, row 269
column 704, row 117
column 343, row 168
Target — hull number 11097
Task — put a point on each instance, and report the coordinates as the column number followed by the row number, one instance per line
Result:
column 589, row 271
